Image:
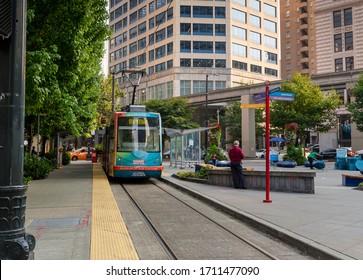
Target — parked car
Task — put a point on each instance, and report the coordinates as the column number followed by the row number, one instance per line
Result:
column 261, row 153
column 350, row 152
column 328, row 153
column 80, row 154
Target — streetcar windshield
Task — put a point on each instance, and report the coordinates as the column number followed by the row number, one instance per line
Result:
column 136, row 133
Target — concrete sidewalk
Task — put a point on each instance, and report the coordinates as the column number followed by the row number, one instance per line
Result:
column 332, row 217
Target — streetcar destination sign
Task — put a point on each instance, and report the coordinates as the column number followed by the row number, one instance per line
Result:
column 284, row 96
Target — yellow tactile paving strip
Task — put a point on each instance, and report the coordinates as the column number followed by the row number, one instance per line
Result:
column 110, row 239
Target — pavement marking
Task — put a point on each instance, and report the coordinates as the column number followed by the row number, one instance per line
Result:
column 110, row 239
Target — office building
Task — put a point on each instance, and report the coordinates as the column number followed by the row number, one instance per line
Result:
column 191, row 47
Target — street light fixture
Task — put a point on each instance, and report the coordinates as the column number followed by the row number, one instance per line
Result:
column 206, row 106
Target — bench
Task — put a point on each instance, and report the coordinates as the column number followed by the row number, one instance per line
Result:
column 351, row 180
column 281, row 181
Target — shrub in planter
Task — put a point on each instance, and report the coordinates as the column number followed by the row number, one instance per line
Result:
column 66, row 158
column 35, row 167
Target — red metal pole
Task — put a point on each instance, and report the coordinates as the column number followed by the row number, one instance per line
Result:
column 267, row 200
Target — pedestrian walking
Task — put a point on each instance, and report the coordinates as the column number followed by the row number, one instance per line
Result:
column 236, row 155
column 311, row 157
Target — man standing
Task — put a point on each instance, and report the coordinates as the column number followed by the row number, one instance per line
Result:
column 311, row 157
column 236, row 155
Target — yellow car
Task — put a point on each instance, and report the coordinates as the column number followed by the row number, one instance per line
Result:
column 80, row 154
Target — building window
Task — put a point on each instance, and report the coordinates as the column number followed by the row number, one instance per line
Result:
column 169, row 48
column 185, row 29
column 200, row 86
column 133, row 62
column 160, row 52
column 118, row 26
column 142, row 59
column 133, row 4
column 185, row 11
column 239, row 50
column 185, row 62
column 202, row 29
column 185, row 46
column 220, row 12
column 142, row 12
column 241, row 2
column 255, row 54
column 270, row 25
column 338, row 43
column 202, row 11
column 151, row 39
column 160, row 35
column 202, row 62
column 348, row 38
column 142, row 43
column 239, row 65
column 348, row 19
column 239, row 33
column 159, row 67
column 220, row 47
column 160, row 3
column 169, row 64
column 270, row 42
column 202, row 47
column 151, row 55
column 220, row 30
column 255, row 37
column 220, row 63
column 169, row 14
column 271, row 72
column 151, row 70
column 133, row 17
column 220, row 84
column 133, row 32
column 142, row 27
column 337, row 21
column 133, row 48
column 255, row 21
column 238, row 15
column 270, row 10
column 339, row 65
column 349, row 63
column 170, row 89
column 256, row 69
column 151, row 7
column 256, row 5
column 271, row 57
column 185, row 88
column 160, row 18
column 151, row 23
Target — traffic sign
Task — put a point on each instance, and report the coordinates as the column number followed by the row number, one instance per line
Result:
column 260, row 98
column 284, row 96
column 274, row 90
column 252, row 106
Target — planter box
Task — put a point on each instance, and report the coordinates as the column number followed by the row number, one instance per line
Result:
column 282, row 181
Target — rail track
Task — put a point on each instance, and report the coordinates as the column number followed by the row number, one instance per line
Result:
column 165, row 223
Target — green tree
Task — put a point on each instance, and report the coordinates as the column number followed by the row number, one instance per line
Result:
column 175, row 113
column 65, row 47
column 232, row 120
column 356, row 106
column 104, row 108
column 311, row 109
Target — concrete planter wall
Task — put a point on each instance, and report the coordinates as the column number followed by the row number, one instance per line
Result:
column 283, row 181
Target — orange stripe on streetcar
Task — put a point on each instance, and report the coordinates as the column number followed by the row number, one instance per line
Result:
column 143, row 168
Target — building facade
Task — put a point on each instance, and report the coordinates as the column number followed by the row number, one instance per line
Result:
column 297, row 37
column 192, row 46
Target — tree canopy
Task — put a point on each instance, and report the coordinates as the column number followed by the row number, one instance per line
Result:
column 65, row 47
column 175, row 113
column 311, row 109
column 356, row 107
column 233, row 120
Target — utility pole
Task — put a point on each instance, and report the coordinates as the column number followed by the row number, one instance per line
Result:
column 15, row 244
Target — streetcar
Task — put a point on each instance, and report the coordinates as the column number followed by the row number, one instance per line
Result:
column 132, row 146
